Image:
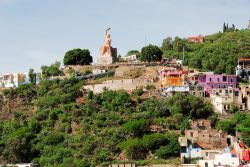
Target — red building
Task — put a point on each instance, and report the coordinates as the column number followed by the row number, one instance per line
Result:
column 196, row 39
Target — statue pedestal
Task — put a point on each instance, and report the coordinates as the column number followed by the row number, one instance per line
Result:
column 107, row 58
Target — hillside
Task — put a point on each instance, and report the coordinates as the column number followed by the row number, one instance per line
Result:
column 109, row 127
column 219, row 52
column 70, row 128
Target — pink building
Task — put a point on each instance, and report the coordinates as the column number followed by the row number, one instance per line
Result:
column 212, row 81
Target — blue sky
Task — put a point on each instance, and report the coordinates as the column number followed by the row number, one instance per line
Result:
column 39, row 32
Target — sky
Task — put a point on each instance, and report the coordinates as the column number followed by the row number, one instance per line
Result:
column 39, row 32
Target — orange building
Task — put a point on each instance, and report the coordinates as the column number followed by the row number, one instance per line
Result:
column 172, row 77
column 173, row 81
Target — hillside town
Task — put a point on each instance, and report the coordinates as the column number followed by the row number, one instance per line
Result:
column 185, row 103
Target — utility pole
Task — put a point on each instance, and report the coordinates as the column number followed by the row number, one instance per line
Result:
column 183, row 55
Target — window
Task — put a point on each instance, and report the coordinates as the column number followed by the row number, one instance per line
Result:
column 218, row 79
column 224, row 86
column 236, row 93
column 220, row 91
column 200, row 88
column 210, row 79
column 230, row 91
column 232, row 80
column 206, row 154
column 226, row 91
column 225, row 107
column 224, row 78
column 206, row 164
column 191, row 134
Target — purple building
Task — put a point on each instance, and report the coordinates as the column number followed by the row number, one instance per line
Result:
column 211, row 81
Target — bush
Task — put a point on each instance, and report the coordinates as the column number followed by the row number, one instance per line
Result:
column 136, row 127
column 133, row 148
column 54, row 138
column 154, row 141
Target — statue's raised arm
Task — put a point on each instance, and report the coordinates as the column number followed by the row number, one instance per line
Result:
column 107, row 30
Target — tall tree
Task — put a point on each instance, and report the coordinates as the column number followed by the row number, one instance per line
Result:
column 224, row 27
column 77, row 57
column 167, row 44
column 32, row 76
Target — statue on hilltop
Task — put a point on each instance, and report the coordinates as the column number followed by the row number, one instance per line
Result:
column 108, row 54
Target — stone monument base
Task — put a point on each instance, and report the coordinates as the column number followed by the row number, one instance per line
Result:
column 107, row 58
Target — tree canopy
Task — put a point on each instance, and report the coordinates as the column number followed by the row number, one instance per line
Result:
column 77, row 57
column 52, row 70
column 151, row 53
column 132, row 52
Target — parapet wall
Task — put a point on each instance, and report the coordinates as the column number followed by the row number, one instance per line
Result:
column 125, row 84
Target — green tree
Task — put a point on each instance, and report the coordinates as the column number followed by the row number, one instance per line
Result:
column 154, row 141
column 52, row 70
column 18, row 146
column 136, row 127
column 133, row 148
column 32, row 76
column 226, row 126
column 151, row 53
column 77, row 57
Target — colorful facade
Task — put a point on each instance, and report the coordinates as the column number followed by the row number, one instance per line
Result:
column 210, row 82
column 172, row 77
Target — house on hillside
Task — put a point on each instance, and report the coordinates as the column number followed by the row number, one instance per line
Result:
column 220, row 160
column 196, row 39
column 213, row 81
column 13, row 79
column 197, row 90
column 131, row 58
column 242, row 69
column 224, row 99
column 204, row 136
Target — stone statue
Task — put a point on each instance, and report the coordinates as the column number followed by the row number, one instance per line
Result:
column 108, row 54
column 107, row 44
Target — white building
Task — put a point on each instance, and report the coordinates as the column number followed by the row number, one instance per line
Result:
column 13, row 80
column 223, row 99
column 131, row 58
column 170, row 91
column 220, row 160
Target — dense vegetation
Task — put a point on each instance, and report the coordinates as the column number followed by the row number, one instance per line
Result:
column 219, row 52
column 51, row 70
column 77, row 57
column 238, row 122
column 150, row 53
column 72, row 128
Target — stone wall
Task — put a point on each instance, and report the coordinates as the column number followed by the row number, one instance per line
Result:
column 125, row 84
